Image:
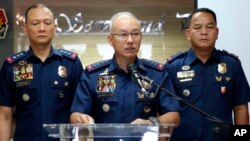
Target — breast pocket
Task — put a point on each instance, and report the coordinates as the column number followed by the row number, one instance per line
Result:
column 223, row 90
column 107, row 107
column 60, row 90
column 190, row 90
column 27, row 96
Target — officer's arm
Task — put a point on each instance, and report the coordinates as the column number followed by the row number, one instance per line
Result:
column 241, row 115
column 5, row 123
column 170, row 117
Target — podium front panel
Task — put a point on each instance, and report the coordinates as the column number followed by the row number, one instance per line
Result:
column 73, row 131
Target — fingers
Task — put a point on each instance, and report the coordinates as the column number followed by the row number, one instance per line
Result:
column 140, row 121
column 77, row 118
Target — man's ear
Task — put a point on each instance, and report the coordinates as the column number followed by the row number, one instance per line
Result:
column 24, row 28
column 55, row 29
column 187, row 32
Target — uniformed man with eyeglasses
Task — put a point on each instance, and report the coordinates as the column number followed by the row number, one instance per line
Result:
column 107, row 94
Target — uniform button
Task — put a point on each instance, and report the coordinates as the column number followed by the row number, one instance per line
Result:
column 25, row 97
column 66, row 84
column 105, row 107
column 186, row 92
column 56, row 82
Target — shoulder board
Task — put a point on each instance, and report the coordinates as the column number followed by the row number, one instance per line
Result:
column 69, row 54
column 173, row 57
column 97, row 65
column 153, row 64
column 13, row 58
column 230, row 54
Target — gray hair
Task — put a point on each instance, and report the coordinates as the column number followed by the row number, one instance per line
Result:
column 117, row 15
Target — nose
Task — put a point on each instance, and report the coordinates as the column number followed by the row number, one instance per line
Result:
column 41, row 27
column 130, row 38
column 204, row 31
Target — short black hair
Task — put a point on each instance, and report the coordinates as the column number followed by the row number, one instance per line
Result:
column 33, row 7
column 206, row 10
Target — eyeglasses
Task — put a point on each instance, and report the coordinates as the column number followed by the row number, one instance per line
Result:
column 124, row 36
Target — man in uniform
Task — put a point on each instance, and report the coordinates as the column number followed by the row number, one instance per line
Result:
column 40, row 83
column 211, row 79
column 106, row 92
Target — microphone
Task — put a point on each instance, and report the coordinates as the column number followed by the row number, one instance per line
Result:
column 136, row 76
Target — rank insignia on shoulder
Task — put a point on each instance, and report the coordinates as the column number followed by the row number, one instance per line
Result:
column 172, row 57
column 69, row 54
column 153, row 64
column 15, row 57
column 231, row 54
column 97, row 65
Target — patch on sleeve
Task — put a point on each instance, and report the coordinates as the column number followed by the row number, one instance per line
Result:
column 97, row 65
column 69, row 54
column 156, row 65
column 15, row 57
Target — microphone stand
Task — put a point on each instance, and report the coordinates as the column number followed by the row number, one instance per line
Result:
column 219, row 123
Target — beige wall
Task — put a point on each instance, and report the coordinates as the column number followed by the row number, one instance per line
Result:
column 91, row 48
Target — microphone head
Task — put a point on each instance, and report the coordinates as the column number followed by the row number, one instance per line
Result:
column 131, row 69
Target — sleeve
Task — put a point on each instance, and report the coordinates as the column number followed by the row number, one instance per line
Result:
column 166, row 96
column 83, row 101
column 78, row 70
column 241, row 91
column 6, row 88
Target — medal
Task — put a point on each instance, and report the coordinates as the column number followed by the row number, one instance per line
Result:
column 145, row 84
column 60, row 94
column 22, row 63
column 218, row 78
column 152, row 95
column 147, row 109
column 62, row 71
column 140, row 95
column 186, row 67
column 223, row 89
column 222, row 68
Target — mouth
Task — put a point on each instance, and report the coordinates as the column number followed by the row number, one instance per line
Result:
column 41, row 36
column 204, row 40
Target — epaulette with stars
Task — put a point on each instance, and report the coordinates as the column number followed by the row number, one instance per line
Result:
column 155, row 65
column 69, row 54
column 173, row 57
column 98, row 65
column 230, row 54
column 15, row 57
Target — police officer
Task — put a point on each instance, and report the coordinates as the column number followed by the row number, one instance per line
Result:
column 39, row 83
column 107, row 94
column 211, row 79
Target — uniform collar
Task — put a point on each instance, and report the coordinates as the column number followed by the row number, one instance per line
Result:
column 53, row 52
column 215, row 55
column 138, row 63
column 191, row 57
